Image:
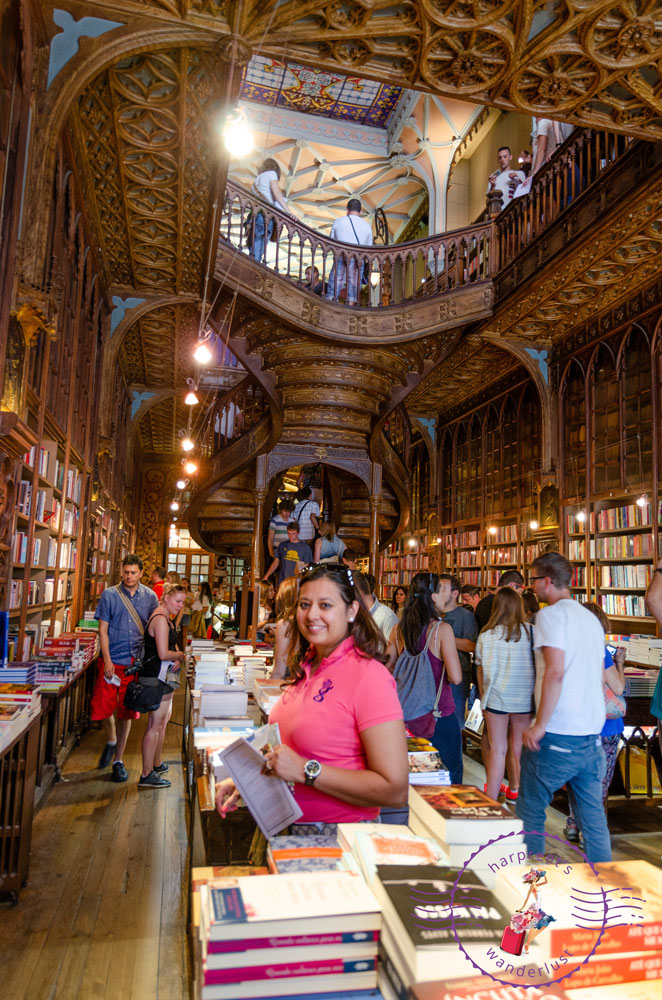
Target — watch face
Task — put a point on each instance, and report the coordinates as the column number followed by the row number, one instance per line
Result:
column 312, row 768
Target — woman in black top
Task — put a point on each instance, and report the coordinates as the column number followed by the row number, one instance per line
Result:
column 160, row 644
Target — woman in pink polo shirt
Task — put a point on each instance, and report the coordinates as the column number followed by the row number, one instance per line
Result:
column 341, row 726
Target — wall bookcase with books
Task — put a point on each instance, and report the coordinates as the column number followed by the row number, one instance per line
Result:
column 46, row 542
column 103, row 536
column 612, row 551
column 401, row 561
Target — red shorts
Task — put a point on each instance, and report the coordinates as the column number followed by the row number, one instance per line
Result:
column 109, row 698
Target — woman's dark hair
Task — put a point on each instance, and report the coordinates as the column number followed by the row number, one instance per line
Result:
column 394, row 603
column 205, row 590
column 530, row 603
column 368, row 640
column 270, row 164
column 419, row 610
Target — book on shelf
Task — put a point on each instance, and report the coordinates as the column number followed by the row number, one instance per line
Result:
column 461, row 814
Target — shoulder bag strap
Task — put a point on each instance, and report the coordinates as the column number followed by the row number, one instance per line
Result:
column 435, row 709
column 130, row 608
column 354, row 230
column 301, row 509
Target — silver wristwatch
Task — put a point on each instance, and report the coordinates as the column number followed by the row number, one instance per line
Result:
column 312, row 770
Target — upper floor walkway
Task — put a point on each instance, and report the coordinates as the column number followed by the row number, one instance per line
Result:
column 443, row 280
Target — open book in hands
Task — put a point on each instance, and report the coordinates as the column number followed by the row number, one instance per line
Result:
column 170, row 673
column 268, row 798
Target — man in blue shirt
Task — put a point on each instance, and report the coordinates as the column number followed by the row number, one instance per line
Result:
column 120, row 639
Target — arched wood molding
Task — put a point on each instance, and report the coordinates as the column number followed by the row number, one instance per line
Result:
column 430, row 443
column 535, row 359
column 93, row 57
column 113, row 341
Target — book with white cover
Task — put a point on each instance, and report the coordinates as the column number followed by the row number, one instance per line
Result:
column 268, row 798
column 386, row 848
column 347, row 832
column 244, row 908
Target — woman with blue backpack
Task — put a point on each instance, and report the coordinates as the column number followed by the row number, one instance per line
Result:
column 424, row 662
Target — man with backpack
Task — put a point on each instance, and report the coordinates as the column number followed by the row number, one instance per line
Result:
column 306, row 514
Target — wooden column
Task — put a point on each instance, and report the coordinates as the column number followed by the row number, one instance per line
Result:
column 375, row 500
column 256, row 553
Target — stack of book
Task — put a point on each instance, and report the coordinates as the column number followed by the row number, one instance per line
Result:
column 266, row 693
column 286, row 855
column 425, row 767
column 224, row 703
column 374, row 844
column 24, row 672
column 425, row 913
column 19, row 705
column 285, row 935
column 257, row 663
column 609, row 924
column 463, row 820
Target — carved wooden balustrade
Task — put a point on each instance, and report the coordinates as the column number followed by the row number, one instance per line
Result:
column 235, row 415
column 574, row 167
column 395, row 274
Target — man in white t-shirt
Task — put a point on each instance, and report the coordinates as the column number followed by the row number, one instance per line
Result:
column 563, row 746
column 505, row 179
column 306, row 514
column 351, row 228
column 384, row 617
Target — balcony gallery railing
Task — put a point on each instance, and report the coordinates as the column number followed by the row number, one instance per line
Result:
column 584, row 157
column 377, row 275
column 234, row 415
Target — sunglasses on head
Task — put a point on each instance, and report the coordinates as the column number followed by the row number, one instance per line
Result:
column 334, row 567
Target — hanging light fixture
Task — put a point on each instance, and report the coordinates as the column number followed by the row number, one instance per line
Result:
column 581, row 516
column 181, row 484
column 533, row 525
column 642, row 500
column 237, row 136
column 187, row 444
column 202, row 354
column 492, row 530
column 174, row 505
column 190, row 468
column 191, row 399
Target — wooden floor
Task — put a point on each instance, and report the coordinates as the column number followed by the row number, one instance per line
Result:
column 103, row 915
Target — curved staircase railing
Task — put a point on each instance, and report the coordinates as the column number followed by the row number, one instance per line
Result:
column 573, row 168
column 390, row 441
column 394, row 274
column 234, row 415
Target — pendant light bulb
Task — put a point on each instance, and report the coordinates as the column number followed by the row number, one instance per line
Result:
column 237, row 136
column 190, row 468
column 187, row 444
column 181, row 484
column 492, row 530
column 191, row 399
column 533, row 525
column 202, row 354
column 174, row 505
column 642, row 500
column 581, row 516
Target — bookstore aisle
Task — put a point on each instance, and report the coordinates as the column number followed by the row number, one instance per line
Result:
column 103, row 915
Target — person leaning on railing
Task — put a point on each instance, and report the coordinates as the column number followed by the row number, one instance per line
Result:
column 266, row 187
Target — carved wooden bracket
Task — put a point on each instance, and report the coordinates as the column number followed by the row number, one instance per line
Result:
column 33, row 320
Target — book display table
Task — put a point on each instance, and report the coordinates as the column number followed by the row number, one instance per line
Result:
column 65, row 716
column 18, row 767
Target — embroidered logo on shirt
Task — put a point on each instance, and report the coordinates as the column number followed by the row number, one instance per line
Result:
column 325, row 687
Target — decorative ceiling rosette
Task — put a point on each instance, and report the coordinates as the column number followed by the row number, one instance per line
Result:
column 468, row 14
column 561, row 80
column 466, row 62
column 629, row 33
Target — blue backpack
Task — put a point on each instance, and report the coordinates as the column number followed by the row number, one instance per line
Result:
column 415, row 681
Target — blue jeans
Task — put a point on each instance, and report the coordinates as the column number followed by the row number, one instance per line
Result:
column 460, row 695
column 447, row 741
column 578, row 762
column 341, row 274
column 259, row 240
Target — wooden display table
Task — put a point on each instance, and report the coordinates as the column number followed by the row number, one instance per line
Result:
column 65, row 716
column 18, row 767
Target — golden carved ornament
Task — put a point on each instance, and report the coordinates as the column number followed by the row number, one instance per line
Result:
column 33, row 321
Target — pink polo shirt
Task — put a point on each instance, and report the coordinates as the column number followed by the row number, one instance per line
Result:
column 322, row 717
